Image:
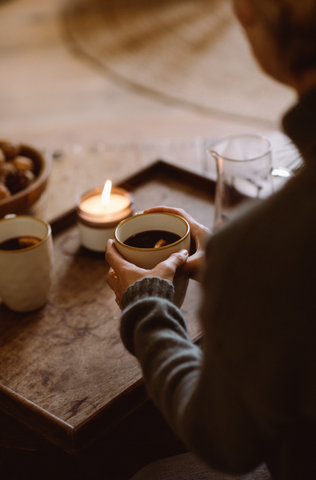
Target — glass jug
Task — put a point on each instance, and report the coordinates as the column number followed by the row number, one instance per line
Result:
column 244, row 172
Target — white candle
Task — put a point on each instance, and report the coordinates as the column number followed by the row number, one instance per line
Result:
column 98, row 214
column 94, row 205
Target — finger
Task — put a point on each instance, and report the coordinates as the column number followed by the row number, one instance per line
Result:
column 197, row 229
column 194, row 262
column 179, row 258
column 175, row 211
column 192, row 266
column 113, row 257
column 162, row 208
column 109, row 243
column 110, row 246
column 171, row 264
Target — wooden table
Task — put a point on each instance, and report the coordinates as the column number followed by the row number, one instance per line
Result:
column 53, row 100
column 63, row 369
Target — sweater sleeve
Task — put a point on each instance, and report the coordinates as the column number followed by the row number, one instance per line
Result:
column 153, row 329
column 191, row 394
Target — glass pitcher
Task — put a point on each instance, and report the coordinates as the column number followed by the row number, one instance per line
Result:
column 244, row 172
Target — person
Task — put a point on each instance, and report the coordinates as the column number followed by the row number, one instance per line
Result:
column 248, row 397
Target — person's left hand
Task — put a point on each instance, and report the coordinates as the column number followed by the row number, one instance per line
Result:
column 122, row 273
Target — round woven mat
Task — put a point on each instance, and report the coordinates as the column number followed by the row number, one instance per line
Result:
column 189, row 51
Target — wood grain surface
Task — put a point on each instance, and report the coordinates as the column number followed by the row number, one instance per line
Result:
column 63, row 369
column 55, row 101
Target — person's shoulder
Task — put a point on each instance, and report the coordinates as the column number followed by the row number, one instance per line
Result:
column 286, row 216
column 259, row 295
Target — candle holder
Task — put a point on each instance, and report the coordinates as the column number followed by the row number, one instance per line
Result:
column 97, row 227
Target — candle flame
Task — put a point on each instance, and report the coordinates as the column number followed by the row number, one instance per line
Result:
column 106, row 192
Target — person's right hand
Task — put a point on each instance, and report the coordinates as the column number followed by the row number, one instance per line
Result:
column 199, row 233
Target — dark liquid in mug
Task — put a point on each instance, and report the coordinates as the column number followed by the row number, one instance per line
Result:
column 19, row 243
column 152, row 239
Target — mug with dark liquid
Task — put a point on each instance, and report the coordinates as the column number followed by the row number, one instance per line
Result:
column 150, row 238
column 19, row 243
column 26, row 262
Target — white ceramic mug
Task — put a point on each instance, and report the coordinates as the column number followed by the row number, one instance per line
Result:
column 25, row 274
column 148, row 258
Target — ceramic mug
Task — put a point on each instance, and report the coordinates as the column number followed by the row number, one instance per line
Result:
column 148, row 258
column 25, row 273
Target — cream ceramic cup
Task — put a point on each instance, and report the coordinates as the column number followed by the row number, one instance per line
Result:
column 148, row 258
column 25, row 275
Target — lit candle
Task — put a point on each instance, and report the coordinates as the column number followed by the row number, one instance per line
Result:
column 98, row 213
column 105, row 203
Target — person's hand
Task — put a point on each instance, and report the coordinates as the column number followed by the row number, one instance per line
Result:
column 199, row 233
column 122, row 273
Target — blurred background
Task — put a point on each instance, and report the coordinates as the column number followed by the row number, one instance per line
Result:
column 111, row 85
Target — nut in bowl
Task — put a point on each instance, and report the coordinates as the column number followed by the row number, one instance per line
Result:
column 150, row 238
column 24, row 173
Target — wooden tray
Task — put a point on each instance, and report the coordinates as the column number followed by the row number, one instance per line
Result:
column 63, row 369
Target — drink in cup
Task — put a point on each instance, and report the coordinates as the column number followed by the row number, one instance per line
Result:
column 25, row 262
column 150, row 238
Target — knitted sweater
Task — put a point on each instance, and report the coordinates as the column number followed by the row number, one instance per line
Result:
column 250, row 394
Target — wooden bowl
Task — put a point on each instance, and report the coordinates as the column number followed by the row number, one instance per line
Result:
column 22, row 201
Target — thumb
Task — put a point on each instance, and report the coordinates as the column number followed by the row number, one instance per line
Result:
column 176, row 260
column 167, row 269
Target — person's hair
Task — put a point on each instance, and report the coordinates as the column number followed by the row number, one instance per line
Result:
column 293, row 25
